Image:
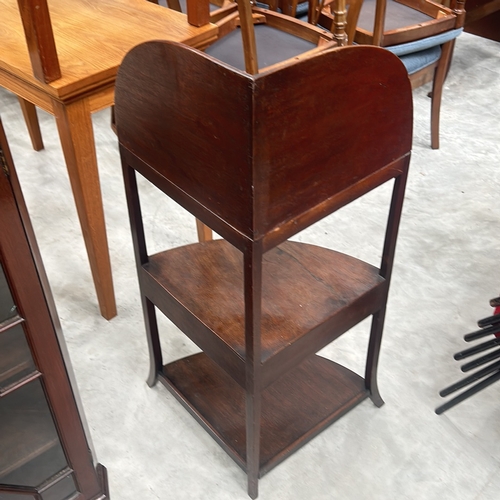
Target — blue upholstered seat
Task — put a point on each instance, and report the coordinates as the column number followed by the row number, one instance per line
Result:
column 415, row 55
column 422, row 53
column 418, row 60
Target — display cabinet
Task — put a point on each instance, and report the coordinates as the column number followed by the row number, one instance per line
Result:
column 45, row 451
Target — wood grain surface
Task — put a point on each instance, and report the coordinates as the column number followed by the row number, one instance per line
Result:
column 92, row 37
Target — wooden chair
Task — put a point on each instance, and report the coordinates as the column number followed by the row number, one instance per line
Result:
column 258, row 158
column 323, row 13
column 274, row 38
column 392, row 22
column 422, row 33
column 266, row 36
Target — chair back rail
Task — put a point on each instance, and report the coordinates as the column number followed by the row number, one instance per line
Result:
column 391, row 22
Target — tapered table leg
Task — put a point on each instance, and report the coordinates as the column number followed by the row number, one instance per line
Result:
column 204, row 232
column 31, row 119
column 77, row 139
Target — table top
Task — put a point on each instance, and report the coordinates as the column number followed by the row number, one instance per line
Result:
column 92, row 37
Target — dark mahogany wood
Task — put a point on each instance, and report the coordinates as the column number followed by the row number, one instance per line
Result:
column 258, row 158
column 292, row 412
column 304, row 306
column 483, row 18
column 36, row 314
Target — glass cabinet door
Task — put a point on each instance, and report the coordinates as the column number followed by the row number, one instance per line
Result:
column 16, row 362
column 45, row 449
column 7, row 306
column 32, row 460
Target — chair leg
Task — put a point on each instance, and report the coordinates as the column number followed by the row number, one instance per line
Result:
column 155, row 356
column 373, row 357
column 437, row 90
column 31, row 119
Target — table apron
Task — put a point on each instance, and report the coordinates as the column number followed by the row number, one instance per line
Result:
column 98, row 98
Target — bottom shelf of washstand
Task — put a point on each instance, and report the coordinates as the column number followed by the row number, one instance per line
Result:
column 295, row 408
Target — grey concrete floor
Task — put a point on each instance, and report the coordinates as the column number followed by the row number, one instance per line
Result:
column 447, row 269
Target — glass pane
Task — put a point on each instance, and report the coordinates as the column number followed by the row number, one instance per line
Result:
column 7, row 307
column 15, row 356
column 31, row 451
column 63, row 489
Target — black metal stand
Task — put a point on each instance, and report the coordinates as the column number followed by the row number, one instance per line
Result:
column 488, row 326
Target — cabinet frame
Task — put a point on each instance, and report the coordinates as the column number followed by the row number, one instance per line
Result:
column 29, row 286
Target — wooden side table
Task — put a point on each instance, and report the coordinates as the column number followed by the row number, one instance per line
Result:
column 91, row 39
column 268, row 156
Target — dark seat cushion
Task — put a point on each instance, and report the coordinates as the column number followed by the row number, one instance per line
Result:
column 273, row 46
